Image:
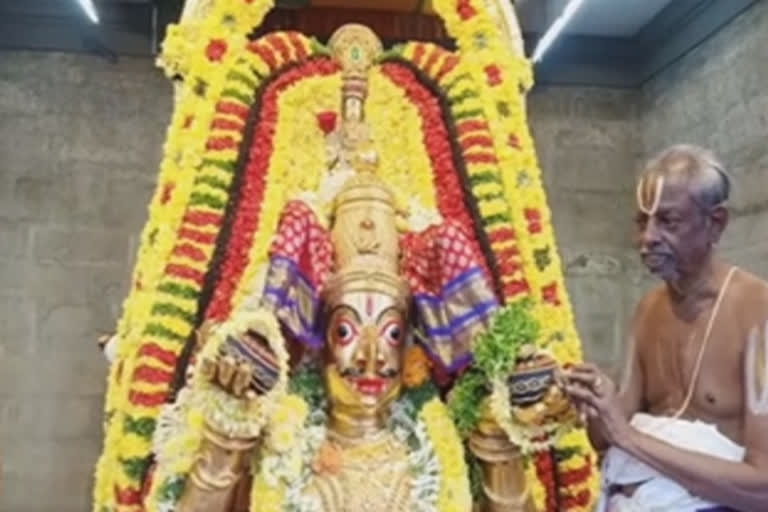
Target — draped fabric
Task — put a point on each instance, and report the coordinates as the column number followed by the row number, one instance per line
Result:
column 451, row 294
column 301, row 257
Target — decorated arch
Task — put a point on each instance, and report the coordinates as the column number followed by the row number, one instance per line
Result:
column 248, row 133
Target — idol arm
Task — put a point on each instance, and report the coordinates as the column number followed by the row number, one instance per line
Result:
column 220, row 478
column 218, row 481
column 503, row 471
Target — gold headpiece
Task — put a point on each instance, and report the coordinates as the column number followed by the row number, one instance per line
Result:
column 364, row 233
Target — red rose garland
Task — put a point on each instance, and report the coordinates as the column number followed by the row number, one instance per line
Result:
column 252, row 191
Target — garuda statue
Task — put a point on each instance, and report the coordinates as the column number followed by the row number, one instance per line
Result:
column 339, row 345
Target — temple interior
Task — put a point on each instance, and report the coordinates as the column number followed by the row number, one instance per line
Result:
column 83, row 117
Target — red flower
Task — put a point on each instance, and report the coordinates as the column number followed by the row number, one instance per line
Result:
column 465, row 10
column 235, row 109
column 544, row 463
column 127, row 496
column 147, row 485
column 252, row 192
column 513, row 141
column 220, row 143
column 533, row 216
column 549, row 293
column 227, row 124
column 327, row 121
column 167, row 192
column 278, row 43
column 517, row 287
column 298, row 45
column 502, row 235
column 216, row 50
column 493, row 75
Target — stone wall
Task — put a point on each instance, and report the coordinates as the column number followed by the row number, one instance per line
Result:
column 717, row 97
column 80, row 141
column 586, row 142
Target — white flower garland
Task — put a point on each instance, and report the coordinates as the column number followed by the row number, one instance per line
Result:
column 289, row 449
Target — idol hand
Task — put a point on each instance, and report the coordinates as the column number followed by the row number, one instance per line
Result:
column 244, row 367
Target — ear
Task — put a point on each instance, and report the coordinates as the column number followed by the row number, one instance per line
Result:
column 719, row 217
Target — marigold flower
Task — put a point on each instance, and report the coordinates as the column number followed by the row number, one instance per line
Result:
column 416, row 367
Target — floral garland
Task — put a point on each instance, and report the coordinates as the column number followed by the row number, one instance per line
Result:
column 498, row 77
column 296, row 448
column 163, row 316
column 296, row 125
column 454, row 493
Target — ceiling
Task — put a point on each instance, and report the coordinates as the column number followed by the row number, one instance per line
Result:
column 618, row 43
column 615, row 18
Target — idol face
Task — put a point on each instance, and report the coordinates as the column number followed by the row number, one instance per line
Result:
column 365, row 339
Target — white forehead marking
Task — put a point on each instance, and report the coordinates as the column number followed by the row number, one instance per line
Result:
column 659, row 188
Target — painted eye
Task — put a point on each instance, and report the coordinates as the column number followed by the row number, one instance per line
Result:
column 393, row 333
column 345, row 332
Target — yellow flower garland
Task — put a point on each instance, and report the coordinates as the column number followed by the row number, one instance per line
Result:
column 185, row 144
column 281, row 462
column 454, row 494
column 398, row 137
column 484, row 49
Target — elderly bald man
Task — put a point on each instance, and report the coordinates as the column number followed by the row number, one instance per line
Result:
column 688, row 428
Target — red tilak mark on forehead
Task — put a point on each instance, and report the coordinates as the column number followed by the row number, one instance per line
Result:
column 369, row 305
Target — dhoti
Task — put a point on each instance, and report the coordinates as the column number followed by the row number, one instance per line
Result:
column 655, row 492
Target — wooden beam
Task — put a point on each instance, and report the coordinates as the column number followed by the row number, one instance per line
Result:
column 391, row 27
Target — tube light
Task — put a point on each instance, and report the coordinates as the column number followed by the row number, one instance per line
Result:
column 554, row 30
column 90, row 10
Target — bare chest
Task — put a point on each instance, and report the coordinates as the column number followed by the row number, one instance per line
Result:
column 683, row 373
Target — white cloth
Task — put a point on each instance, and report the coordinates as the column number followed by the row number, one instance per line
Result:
column 659, row 493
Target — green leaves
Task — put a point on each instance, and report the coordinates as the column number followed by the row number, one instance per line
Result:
column 466, row 400
column 308, row 383
column 512, row 327
column 495, row 354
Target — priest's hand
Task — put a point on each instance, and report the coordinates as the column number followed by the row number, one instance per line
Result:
column 597, row 397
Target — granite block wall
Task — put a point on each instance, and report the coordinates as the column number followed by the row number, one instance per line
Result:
column 587, row 145
column 80, row 141
column 716, row 97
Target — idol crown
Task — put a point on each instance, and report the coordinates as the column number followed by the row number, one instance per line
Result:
column 364, row 233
